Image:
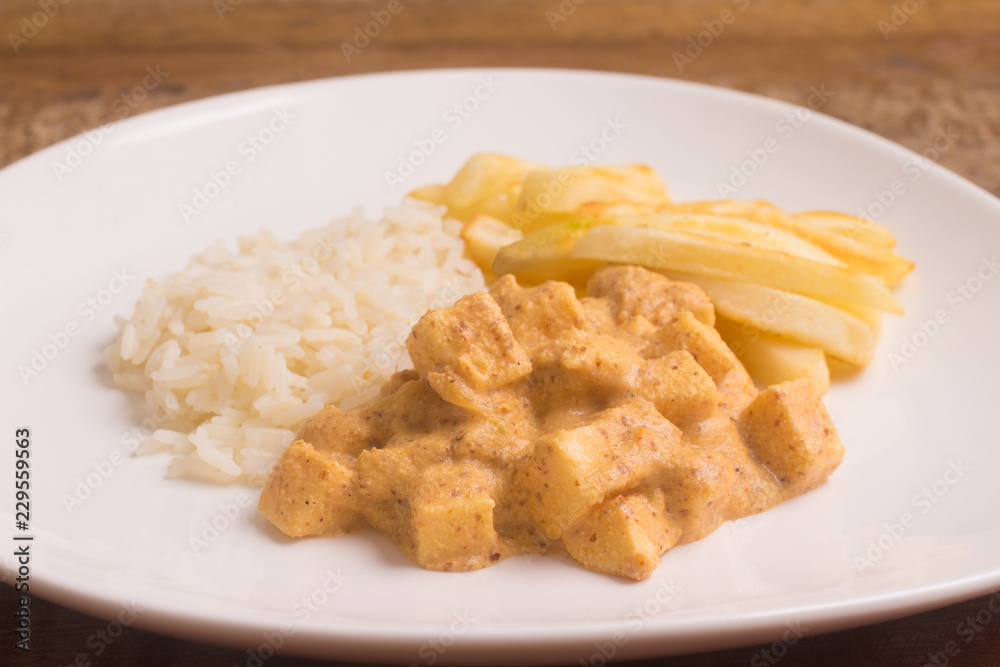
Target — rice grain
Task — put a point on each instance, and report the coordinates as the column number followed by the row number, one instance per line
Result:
column 241, row 348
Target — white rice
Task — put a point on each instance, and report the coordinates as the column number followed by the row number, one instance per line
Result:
column 235, row 353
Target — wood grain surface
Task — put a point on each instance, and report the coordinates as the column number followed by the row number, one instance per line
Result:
column 911, row 71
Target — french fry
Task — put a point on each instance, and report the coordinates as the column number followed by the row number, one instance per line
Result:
column 485, row 176
column 539, row 249
column 840, row 333
column 734, row 230
column 432, row 194
column 811, row 284
column 862, row 229
column 876, row 260
column 689, row 253
column 547, row 196
column 484, row 236
column 544, row 255
column 669, row 250
column 700, row 218
column 729, row 221
column 773, row 360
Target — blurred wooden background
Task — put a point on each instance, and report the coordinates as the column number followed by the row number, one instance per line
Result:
column 908, row 70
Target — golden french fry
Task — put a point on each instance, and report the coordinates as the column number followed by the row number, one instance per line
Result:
column 846, row 335
column 734, row 230
column 557, row 240
column 689, row 253
column 484, row 236
column 773, row 360
column 873, row 259
column 843, row 242
column 544, row 255
column 634, row 182
column 537, row 250
column 546, row 196
column 880, row 262
column 709, row 217
column 485, row 176
column 499, row 208
column 862, row 229
column 433, row 194
column 810, row 284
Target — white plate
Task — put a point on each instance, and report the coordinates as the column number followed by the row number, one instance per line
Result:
column 919, row 428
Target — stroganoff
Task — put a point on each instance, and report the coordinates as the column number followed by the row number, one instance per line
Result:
column 610, row 428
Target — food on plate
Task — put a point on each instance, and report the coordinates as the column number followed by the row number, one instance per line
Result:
column 591, row 403
column 818, row 228
column 850, row 335
column 819, row 280
column 484, row 236
column 645, row 242
column 609, row 427
column 235, row 353
column 771, row 359
column 863, row 230
column 528, row 195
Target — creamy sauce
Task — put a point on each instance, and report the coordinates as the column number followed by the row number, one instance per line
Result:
column 610, row 428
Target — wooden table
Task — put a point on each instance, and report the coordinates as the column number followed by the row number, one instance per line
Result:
column 910, row 71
